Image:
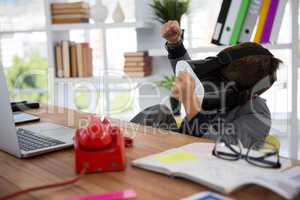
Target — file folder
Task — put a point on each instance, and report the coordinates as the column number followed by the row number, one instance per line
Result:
column 239, row 21
column 250, row 21
column 265, row 38
column 262, row 19
column 230, row 21
column 278, row 21
column 220, row 22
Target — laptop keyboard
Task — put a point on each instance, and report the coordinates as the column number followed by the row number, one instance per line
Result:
column 29, row 140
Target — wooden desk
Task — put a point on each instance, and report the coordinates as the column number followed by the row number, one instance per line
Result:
column 16, row 174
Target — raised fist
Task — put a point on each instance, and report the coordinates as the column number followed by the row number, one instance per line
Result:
column 171, row 31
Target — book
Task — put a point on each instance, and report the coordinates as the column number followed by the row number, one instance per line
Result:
column 74, row 67
column 70, row 21
column 230, row 21
column 66, row 58
column 70, row 16
column 278, row 21
column 239, row 22
column 137, row 64
column 262, row 19
column 196, row 163
column 265, row 37
column 138, row 74
column 220, row 22
column 90, row 61
column 135, row 59
column 58, row 61
column 87, row 60
column 137, row 69
column 75, row 5
column 250, row 21
column 141, row 72
column 70, row 11
column 136, row 54
column 85, row 48
column 79, row 60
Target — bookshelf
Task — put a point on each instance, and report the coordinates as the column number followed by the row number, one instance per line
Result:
column 58, row 32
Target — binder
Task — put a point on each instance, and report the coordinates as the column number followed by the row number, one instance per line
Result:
column 230, row 21
column 250, row 21
column 239, row 21
column 265, row 37
column 220, row 22
column 278, row 21
column 262, row 19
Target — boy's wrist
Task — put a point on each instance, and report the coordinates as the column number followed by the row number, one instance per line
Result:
column 176, row 50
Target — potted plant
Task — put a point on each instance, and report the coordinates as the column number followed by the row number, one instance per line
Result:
column 167, row 83
column 166, row 10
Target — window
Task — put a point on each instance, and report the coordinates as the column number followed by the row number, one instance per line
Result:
column 20, row 14
column 24, row 58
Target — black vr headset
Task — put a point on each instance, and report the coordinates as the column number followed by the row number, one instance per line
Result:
column 220, row 93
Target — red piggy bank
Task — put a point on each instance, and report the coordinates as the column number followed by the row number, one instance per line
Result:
column 99, row 147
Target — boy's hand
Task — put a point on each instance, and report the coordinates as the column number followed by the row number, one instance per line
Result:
column 171, row 31
column 183, row 87
column 184, row 90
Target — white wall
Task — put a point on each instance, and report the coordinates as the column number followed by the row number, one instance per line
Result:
column 151, row 39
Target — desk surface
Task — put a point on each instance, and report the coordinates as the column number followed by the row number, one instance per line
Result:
column 16, row 174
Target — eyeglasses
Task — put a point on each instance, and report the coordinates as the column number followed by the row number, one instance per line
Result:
column 261, row 153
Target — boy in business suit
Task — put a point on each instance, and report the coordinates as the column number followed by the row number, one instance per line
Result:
column 249, row 121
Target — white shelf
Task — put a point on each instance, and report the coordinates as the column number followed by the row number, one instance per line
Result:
column 78, row 80
column 32, row 30
column 115, row 84
column 67, row 27
column 85, row 26
column 110, row 80
column 214, row 48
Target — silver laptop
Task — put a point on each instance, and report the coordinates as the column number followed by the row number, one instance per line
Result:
column 29, row 140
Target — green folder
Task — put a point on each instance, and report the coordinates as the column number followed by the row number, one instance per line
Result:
column 239, row 22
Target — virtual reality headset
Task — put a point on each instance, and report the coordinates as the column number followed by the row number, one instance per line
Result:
column 223, row 94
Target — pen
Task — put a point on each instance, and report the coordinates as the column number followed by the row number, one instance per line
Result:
column 126, row 194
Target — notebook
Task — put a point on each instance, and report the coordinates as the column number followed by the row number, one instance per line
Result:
column 196, row 163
